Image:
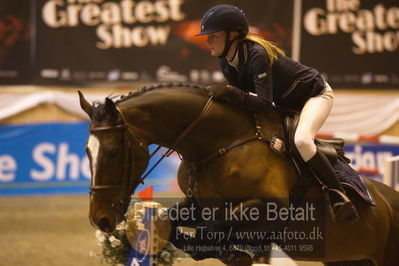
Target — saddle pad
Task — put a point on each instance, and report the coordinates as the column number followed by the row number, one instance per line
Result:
column 352, row 180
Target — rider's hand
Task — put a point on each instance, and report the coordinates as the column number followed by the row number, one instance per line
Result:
column 219, row 91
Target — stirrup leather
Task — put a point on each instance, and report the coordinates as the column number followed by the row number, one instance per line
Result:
column 335, row 209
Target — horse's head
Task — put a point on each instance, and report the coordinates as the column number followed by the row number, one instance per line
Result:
column 117, row 160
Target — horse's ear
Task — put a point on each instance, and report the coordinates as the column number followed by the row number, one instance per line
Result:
column 85, row 105
column 111, row 109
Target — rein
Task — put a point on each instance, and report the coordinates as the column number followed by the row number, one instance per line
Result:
column 179, row 138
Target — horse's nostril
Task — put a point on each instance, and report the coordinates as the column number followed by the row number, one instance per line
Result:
column 105, row 225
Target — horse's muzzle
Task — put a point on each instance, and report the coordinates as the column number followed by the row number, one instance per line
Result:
column 105, row 225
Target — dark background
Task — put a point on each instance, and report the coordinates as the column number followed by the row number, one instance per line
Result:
column 29, row 48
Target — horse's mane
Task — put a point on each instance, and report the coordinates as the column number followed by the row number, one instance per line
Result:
column 99, row 110
column 196, row 88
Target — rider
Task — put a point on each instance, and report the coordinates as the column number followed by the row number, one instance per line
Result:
column 261, row 76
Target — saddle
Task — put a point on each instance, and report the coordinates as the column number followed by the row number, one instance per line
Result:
column 333, row 148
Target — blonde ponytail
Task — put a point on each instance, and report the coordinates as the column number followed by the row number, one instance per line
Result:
column 271, row 49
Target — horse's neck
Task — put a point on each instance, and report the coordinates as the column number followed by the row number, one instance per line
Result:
column 160, row 117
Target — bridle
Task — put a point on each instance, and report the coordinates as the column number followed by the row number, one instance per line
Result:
column 126, row 185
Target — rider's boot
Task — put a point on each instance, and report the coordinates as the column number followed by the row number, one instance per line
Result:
column 342, row 206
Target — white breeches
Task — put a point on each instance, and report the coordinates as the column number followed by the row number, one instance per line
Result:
column 312, row 117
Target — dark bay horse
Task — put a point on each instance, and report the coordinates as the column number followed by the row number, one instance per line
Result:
column 182, row 117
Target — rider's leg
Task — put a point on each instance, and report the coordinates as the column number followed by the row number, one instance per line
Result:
column 341, row 204
column 312, row 117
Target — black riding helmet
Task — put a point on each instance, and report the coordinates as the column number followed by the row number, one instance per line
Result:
column 226, row 18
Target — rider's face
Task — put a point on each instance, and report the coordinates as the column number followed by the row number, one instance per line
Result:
column 216, row 42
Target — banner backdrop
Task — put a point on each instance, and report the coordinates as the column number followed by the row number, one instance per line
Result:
column 50, row 158
column 15, row 41
column 369, row 158
column 127, row 40
column 354, row 42
column 43, row 158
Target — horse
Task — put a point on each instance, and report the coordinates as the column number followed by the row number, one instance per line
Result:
column 221, row 159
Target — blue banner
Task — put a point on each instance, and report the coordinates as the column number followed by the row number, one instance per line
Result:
column 50, row 158
column 368, row 158
column 44, row 158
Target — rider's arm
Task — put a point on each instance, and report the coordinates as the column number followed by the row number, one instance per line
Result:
column 249, row 101
column 261, row 100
